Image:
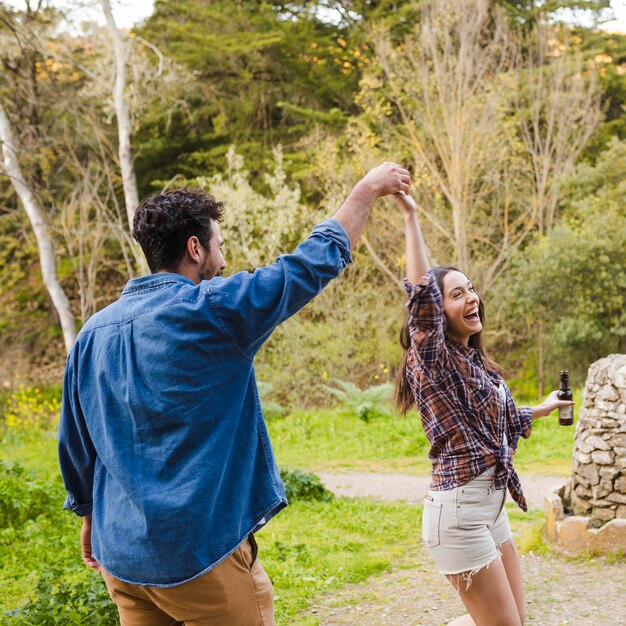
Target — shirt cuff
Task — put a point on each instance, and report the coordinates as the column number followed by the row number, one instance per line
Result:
column 332, row 229
column 526, row 420
column 418, row 287
column 81, row 510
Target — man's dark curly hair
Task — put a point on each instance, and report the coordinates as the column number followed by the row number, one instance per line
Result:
column 164, row 222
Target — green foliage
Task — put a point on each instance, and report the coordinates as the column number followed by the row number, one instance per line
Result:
column 311, row 548
column 271, row 409
column 550, row 448
column 22, row 498
column 301, row 485
column 30, row 411
column 249, row 61
column 574, row 278
column 258, row 226
column 85, row 603
column 366, row 404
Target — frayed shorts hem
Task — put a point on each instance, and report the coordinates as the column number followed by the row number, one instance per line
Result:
column 474, row 569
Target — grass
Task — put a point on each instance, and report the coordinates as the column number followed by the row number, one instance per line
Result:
column 333, row 439
column 311, row 547
column 330, row 439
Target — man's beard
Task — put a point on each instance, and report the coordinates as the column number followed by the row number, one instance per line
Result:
column 208, row 271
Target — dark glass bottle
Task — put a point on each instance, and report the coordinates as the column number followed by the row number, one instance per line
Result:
column 566, row 414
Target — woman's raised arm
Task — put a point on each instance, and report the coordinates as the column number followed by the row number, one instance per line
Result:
column 416, row 259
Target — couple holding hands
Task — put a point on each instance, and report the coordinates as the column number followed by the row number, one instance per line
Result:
column 165, row 453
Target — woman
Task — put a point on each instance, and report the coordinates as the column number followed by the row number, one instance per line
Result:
column 473, row 427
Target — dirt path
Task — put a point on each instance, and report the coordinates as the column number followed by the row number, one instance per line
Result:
column 414, row 488
column 559, row 591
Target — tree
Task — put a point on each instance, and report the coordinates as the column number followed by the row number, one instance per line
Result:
column 572, row 280
column 266, row 73
column 448, row 100
column 35, row 214
column 559, row 109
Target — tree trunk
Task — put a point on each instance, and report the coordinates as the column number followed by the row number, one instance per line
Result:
column 131, row 196
column 541, row 366
column 40, row 228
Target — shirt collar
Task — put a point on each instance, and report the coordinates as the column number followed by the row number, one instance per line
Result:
column 152, row 281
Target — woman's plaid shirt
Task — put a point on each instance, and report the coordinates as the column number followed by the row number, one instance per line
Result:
column 458, row 401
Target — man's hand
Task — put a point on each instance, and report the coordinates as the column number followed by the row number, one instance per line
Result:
column 85, row 544
column 549, row 404
column 385, row 179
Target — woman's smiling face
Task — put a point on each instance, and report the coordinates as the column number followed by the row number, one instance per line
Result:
column 460, row 306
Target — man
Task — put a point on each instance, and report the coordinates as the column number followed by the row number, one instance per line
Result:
column 162, row 443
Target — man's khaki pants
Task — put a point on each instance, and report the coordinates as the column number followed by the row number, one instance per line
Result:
column 237, row 592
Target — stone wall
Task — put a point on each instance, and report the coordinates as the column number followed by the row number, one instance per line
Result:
column 597, row 488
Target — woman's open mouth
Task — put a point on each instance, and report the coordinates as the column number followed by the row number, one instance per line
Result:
column 472, row 316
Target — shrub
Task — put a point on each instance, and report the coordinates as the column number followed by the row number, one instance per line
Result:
column 301, row 485
column 31, row 410
column 21, row 498
column 364, row 403
column 271, row 409
column 86, row 603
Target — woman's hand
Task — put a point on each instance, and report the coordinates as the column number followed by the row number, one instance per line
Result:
column 405, row 202
column 549, row 404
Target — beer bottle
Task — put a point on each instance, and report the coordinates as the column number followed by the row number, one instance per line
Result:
column 566, row 413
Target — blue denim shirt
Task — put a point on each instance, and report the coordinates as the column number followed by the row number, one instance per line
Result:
column 162, row 438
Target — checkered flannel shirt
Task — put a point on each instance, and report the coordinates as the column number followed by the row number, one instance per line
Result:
column 458, row 401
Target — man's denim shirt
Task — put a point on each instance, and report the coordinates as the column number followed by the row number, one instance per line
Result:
column 162, row 438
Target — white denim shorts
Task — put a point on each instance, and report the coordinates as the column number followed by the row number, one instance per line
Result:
column 463, row 527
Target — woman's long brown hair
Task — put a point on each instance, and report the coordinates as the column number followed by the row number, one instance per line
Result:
column 403, row 396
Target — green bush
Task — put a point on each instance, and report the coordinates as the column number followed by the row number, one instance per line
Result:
column 364, row 403
column 271, row 409
column 86, row 603
column 21, row 498
column 301, row 485
column 31, row 410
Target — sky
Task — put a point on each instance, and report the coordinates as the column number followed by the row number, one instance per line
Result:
column 129, row 12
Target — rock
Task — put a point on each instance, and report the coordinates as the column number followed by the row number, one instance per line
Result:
column 618, row 377
column 583, row 448
column 620, row 498
column 580, row 506
column 618, row 441
column 609, row 539
column 602, row 490
column 620, row 484
column 596, row 442
column 603, row 514
column 553, row 508
column 603, row 457
column 589, row 474
column 608, row 394
column 609, row 473
column 572, row 533
column 583, row 492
